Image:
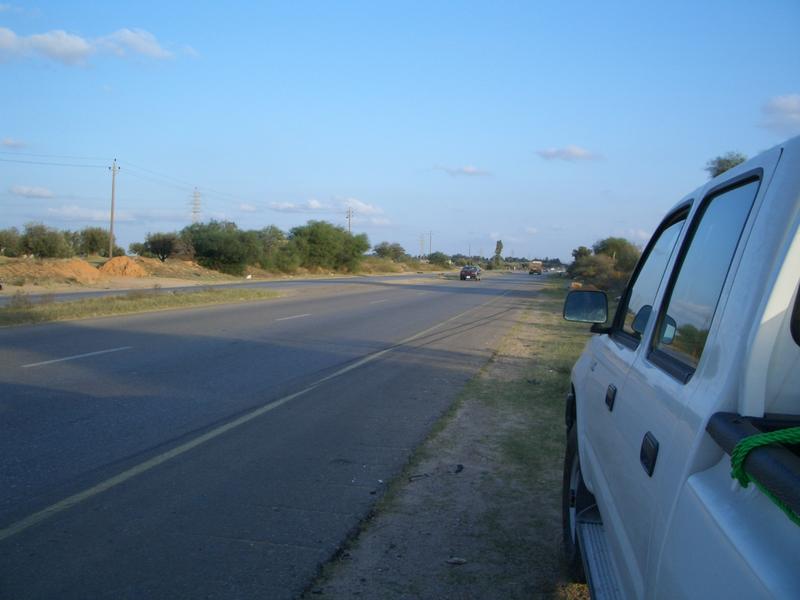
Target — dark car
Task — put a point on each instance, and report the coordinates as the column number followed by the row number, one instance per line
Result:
column 469, row 272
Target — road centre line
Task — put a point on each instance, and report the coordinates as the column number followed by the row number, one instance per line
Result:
column 294, row 317
column 379, row 301
column 75, row 357
column 145, row 466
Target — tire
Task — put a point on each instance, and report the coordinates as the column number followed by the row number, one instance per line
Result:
column 575, row 497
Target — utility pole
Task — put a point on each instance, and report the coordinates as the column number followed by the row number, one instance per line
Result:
column 430, row 243
column 421, row 246
column 195, row 205
column 113, row 168
column 349, row 219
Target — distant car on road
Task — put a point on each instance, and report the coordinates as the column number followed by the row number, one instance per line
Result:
column 470, row 272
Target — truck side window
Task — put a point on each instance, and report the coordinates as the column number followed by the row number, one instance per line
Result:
column 643, row 291
column 696, row 290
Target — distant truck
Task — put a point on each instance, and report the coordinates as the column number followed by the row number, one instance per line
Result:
column 535, row 267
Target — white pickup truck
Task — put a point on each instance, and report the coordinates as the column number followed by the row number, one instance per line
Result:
column 700, row 361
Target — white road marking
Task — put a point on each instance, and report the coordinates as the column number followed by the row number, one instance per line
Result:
column 379, row 301
column 75, row 357
column 145, row 466
column 294, row 317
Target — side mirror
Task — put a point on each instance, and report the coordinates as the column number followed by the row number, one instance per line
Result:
column 586, row 306
column 641, row 319
column 668, row 330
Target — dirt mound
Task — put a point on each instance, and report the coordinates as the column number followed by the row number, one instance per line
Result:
column 122, row 266
column 48, row 270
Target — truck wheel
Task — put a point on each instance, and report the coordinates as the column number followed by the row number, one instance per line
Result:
column 574, row 498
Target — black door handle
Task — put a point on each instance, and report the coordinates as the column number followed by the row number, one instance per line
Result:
column 611, row 394
column 649, row 453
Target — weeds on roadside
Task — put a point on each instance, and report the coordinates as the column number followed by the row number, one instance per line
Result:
column 21, row 310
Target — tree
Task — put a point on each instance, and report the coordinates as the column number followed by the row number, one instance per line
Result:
column 624, row 253
column 161, row 245
column 92, row 240
column 720, row 164
column 393, row 252
column 580, row 252
column 44, row 242
column 218, row 245
column 319, row 244
column 597, row 270
column 498, row 254
column 139, row 249
column 271, row 241
column 9, row 242
column 439, row 258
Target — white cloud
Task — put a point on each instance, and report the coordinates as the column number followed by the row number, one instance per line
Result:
column 244, row 207
column 12, row 143
column 568, row 153
column 782, row 114
column 58, row 45
column 71, row 49
column 309, row 206
column 494, row 235
column 27, row 191
column 135, row 41
column 73, row 212
column 531, row 230
column 468, row 171
column 362, row 208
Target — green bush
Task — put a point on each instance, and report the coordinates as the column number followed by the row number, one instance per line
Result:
column 319, row 244
column 44, row 242
column 9, row 242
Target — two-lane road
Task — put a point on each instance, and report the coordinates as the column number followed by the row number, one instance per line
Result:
column 224, row 451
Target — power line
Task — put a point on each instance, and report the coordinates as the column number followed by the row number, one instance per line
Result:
column 67, row 156
column 51, row 164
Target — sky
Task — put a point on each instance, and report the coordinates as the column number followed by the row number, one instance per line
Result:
column 547, row 125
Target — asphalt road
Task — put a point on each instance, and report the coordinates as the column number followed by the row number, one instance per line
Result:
column 223, row 452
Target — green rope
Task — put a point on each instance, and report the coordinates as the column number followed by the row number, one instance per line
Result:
column 790, row 435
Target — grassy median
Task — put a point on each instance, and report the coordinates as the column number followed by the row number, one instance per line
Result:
column 23, row 310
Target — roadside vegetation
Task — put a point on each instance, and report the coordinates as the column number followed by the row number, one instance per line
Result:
column 314, row 248
column 606, row 266
column 23, row 310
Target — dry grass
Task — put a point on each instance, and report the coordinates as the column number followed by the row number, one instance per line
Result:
column 23, row 310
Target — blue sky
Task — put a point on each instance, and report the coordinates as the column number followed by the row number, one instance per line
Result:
column 546, row 125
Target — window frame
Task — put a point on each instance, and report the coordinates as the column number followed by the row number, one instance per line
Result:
column 794, row 324
column 666, row 362
column 681, row 212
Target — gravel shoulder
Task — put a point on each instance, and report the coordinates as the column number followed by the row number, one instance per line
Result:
column 477, row 512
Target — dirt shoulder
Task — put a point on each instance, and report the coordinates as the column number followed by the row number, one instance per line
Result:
column 477, row 512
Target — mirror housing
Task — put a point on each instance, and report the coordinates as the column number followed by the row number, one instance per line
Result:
column 586, row 306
